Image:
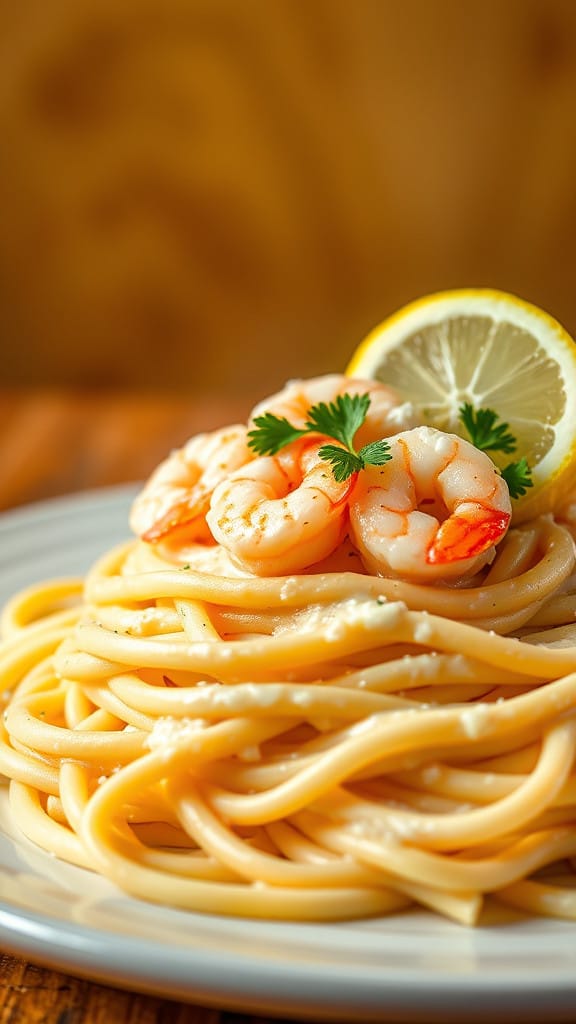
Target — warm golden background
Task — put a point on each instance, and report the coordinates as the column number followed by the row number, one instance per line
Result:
column 215, row 194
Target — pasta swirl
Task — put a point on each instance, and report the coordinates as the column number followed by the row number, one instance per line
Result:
column 320, row 745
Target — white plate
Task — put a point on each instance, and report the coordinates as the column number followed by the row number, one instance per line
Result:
column 413, row 966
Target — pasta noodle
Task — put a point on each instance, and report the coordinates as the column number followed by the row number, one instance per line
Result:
column 321, row 744
column 317, row 746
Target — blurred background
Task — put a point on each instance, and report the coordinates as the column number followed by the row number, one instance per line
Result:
column 208, row 195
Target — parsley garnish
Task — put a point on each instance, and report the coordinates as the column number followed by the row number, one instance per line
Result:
column 339, row 419
column 518, row 476
column 272, row 433
column 487, row 434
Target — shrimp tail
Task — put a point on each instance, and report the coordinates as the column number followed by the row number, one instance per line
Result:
column 468, row 535
column 180, row 515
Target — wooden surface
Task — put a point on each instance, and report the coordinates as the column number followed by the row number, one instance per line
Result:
column 57, row 442
column 205, row 192
column 53, row 443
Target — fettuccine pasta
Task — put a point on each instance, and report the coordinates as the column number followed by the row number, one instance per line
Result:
column 326, row 743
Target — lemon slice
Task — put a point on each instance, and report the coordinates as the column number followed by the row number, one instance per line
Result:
column 495, row 351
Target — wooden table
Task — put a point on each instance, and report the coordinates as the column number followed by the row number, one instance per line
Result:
column 53, row 444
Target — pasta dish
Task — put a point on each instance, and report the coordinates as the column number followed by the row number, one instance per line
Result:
column 325, row 680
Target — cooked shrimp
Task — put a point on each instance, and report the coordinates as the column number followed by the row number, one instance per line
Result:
column 177, row 495
column 386, row 415
column 433, row 512
column 281, row 513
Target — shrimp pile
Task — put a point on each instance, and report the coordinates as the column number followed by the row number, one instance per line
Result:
column 434, row 512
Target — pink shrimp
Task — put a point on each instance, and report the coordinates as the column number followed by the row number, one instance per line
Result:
column 177, row 495
column 433, row 512
column 280, row 514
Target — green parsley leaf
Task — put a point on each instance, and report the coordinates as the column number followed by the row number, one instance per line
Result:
column 376, row 453
column 272, row 433
column 518, row 476
column 339, row 419
column 486, row 433
column 343, row 462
